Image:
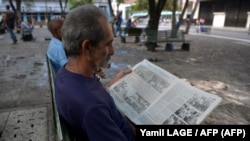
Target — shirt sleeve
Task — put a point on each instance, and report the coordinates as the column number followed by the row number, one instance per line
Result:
column 101, row 126
column 62, row 57
column 57, row 53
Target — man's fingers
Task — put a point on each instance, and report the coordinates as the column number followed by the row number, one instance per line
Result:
column 129, row 70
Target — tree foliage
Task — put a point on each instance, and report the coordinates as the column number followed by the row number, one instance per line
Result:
column 168, row 5
column 74, row 3
column 142, row 5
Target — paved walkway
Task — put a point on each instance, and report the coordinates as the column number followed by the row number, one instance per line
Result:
column 25, row 101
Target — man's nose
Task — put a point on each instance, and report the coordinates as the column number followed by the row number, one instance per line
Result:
column 111, row 50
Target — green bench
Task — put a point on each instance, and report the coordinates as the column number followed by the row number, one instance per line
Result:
column 137, row 32
column 179, row 37
column 154, row 36
column 63, row 133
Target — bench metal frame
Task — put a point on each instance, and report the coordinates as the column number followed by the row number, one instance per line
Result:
column 63, row 133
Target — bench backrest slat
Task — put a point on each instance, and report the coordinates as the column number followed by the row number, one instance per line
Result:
column 133, row 31
column 179, row 35
column 155, row 36
column 51, row 74
column 164, row 36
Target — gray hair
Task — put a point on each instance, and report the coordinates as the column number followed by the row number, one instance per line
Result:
column 82, row 24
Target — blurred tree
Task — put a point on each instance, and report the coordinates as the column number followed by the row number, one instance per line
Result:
column 118, row 5
column 168, row 5
column 142, row 5
column 176, row 23
column 174, row 27
column 154, row 10
column 191, row 17
column 63, row 7
column 110, row 8
column 75, row 3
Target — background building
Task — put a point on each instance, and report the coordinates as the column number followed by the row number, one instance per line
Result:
column 225, row 13
column 40, row 10
column 43, row 10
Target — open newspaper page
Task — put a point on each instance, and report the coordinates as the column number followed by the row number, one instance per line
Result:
column 151, row 95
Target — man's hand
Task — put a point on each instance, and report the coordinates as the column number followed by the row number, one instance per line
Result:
column 118, row 76
column 100, row 73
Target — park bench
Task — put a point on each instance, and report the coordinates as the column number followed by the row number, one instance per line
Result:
column 63, row 133
column 137, row 32
column 154, row 36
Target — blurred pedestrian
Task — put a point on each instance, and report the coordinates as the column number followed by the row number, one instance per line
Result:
column 9, row 21
column 26, row 30
column 118, row 23
column 202, row 21
column 129, row 24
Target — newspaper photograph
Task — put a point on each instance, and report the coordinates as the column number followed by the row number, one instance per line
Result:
column 151, row 95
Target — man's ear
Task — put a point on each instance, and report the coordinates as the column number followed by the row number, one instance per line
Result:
column 86, row 47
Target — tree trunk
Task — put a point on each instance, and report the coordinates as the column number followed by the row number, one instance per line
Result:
column 153, row 23
column 63, row 7
column 182, row 14
column 18, row 15
column 111, row 9
column 60, row 3
column 191, row 17
column 176, row 26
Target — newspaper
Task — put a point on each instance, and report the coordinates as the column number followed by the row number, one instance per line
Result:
column 152, row 96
